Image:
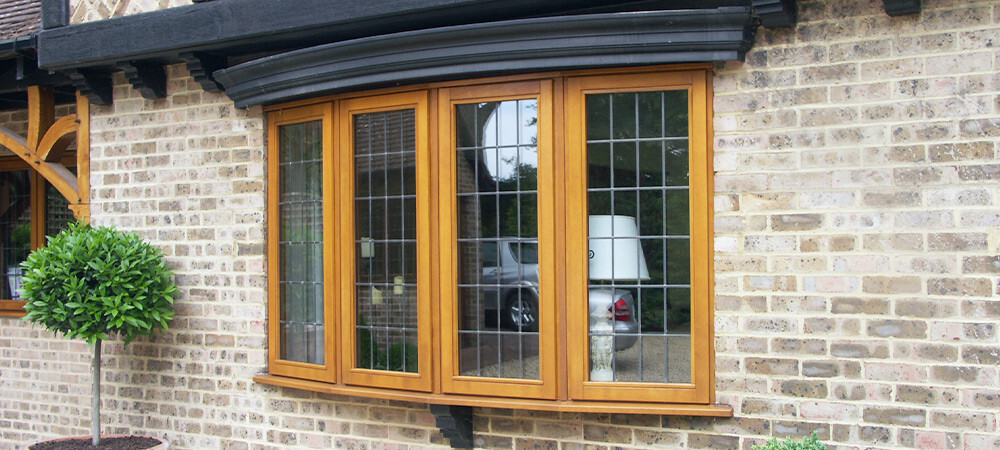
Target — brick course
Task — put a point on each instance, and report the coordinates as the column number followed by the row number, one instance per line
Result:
column 857, row 209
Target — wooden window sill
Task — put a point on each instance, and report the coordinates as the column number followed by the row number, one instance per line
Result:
column 671, row 409
column 12, row 308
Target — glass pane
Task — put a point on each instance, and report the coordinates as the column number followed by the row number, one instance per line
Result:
column 623, row 116
column 300, row 210
column 15, row 229
column 675, row 116
column 58, row 216
column 498, row 238
column 385, row 240
column 639, row 228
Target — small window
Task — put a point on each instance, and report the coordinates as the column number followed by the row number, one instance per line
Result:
column 30, row 210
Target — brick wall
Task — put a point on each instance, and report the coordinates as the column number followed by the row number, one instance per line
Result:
column 856, row 226
column 856, row 269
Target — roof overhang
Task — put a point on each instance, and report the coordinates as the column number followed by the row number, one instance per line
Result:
column 216, row 36
column 230, row 27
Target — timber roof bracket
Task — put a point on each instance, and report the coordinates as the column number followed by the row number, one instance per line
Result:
column 776, row 13
column 201, row 65
column 93, row 84
column 901, row 7
column 147, row 78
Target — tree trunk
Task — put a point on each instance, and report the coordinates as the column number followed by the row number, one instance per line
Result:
column 95, row 400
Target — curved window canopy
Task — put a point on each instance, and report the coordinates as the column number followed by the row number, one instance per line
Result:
column 504, row 47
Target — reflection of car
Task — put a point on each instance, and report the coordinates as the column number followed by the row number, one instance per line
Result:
column 510, row 274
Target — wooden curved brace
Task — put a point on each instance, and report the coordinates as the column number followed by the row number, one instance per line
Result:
column 57, row 139
column 55, row 173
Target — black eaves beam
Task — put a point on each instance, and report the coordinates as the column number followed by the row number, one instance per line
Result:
column 776, row 13
column 901, row 7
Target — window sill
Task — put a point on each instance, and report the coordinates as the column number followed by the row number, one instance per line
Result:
column 11, row 308
column 670, row 409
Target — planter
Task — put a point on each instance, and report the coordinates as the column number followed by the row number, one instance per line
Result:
column 108, row 442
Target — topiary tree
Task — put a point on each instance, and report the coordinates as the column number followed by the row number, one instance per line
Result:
column 93, row 283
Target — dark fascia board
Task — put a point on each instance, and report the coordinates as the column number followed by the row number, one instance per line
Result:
column 19, row 68
column 230, row 27
column 14, row 79
column 516, row 46
column 21, row 46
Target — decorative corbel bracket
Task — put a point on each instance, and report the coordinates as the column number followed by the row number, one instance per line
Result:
column 455, row 423
column 201, row 66
column 147, row 78
column 95, row 85
column 775, row 13
column 47, row 141
column 901, row 7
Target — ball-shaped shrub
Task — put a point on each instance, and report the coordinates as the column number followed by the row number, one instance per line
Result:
column 94, row 282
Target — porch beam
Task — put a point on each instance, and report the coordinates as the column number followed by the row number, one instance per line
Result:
column 47, row 141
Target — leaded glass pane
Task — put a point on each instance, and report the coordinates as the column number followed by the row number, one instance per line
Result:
column 300, row 212
column 639, row 235
column 497, row 160
column 385, row 240
column 15, row 229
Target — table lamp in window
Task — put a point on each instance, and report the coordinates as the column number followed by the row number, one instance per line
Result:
column 615, row 256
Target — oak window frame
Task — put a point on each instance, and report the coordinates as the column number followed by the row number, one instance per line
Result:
column 563, row 384
column 452, row 381
column 348, row 110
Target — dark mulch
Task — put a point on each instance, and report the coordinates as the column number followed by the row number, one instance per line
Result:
column 113, row 443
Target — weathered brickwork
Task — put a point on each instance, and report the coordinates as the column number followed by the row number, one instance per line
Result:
column 857, row 277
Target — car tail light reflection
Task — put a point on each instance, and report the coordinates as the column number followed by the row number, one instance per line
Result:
column 622, row 312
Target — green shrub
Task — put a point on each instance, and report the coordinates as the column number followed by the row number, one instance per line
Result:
column 372, row 356
column 93, row 283
column 807, row 443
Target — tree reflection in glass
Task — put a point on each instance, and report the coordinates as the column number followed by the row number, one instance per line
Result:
column 497, row 158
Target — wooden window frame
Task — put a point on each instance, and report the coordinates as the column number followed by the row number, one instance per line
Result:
column 563, row 384
column 39, row 208
column 452, row 381
column 420, row 381
column 700, row 188
column 327, row 371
